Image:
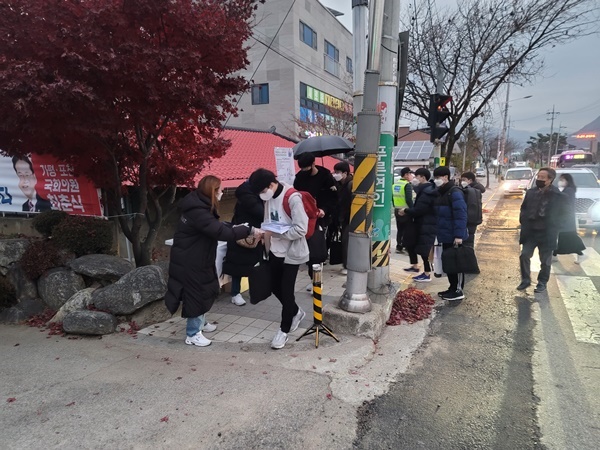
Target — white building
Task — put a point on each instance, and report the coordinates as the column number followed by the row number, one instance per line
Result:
column 300, row 66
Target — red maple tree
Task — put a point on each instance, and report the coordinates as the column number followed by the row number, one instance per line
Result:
column 131, row 92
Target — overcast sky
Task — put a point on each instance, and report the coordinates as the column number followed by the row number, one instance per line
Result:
column 570, row 81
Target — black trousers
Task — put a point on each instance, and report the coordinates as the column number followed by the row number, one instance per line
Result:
column 401, row 222
column 470, row 241
column 456, row 280
column 283, row 277
column 545, row 253
column 414, row 260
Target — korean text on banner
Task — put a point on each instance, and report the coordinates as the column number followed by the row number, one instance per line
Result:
column 38, row 183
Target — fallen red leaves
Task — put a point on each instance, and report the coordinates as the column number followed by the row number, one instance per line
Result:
column 165, row 419
column 11, row 399
column 410, row 305
column 41, row 321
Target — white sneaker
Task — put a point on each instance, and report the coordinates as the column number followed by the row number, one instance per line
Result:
column 238, row 300
column 309, row 287
column 198, row 340
column 579, row 258
column 279, row 340
column 344, row 271
column 297, row 319
column 209, row 327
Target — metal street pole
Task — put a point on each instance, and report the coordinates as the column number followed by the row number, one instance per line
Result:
column 502, row 143
column 553, row 114
column 355, row 298
column 360, row 10
column 379, row 278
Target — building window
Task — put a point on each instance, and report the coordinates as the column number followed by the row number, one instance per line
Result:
column 331, row 59
column 308, row 36
column 349, row 65
column 260, row 94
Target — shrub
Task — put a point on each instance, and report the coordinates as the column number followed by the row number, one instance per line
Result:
column 45, row 222
column 7, row 293
column 83, row 235
column 39, row 257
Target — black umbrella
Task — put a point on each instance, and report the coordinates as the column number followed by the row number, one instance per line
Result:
column 323, row 146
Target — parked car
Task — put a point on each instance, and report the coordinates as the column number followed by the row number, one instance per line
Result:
column 516, row 181
column 480, row 172
column 587, row 203
column 593, row 167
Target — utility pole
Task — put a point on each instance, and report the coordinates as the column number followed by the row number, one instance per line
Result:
column 552, row 115
column 360, row 10
column 560, row 127
column 356, row 298
column 502, row 143
column 379, row 277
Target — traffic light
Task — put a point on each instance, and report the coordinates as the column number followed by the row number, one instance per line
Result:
column 438, row 113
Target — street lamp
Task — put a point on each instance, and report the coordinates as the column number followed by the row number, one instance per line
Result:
column 502, row 142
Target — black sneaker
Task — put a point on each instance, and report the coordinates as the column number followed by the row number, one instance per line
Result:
column 524, row 285
column 446, row 292
column 541, row 287
column 454, row 295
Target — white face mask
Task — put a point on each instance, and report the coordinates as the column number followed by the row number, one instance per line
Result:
column 415, row 182
column 464, row 184
column 338, row 176
column 562, row 184
column 219, row 195
column 267, row 195
column 438, row 182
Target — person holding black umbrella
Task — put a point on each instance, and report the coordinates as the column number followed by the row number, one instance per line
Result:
column 317, row 181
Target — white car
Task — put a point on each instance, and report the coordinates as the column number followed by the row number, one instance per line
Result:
column 516, row 181
column 480, row 172
column 587, row 197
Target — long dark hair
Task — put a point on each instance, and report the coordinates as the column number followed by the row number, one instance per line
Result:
column 209, row 186
column 569, row 179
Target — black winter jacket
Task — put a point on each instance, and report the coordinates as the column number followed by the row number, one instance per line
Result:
column 477, row 185
column 542, row 212
column 249, row 208
column 451, row 210
column 424, row 218
column 570, row 219
column 192, row 272
column 474, row 207
column 322, row 187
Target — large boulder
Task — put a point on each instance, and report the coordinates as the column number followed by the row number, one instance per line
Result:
column 150, row 314
column 11, row 251
column 58, row 285
column 89, row 322
column 24, row 287
column 78, row 302
column 101, row 267
column 136, row 289
column 164, row 265
column 23, row 311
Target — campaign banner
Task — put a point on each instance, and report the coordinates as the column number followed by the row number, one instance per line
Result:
column 38, row 183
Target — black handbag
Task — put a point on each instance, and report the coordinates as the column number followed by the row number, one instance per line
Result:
column 317, row 246
column 459, row 259
column 335, row 248
column 260, row 281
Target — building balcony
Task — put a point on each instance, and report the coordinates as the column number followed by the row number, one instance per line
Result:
column 331, row 65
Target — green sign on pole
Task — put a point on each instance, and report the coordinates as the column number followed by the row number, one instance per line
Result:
column 382, row 212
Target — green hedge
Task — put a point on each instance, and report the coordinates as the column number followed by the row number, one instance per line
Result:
column 45, row 222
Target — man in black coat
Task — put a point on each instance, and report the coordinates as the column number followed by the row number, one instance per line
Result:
column 472, row 180
column 541, row 215
column 474, row 205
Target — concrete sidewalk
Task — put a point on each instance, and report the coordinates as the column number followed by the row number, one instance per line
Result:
column 153, row 391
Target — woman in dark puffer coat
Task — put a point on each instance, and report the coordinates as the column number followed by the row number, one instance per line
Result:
column 421, row 233
column 239, row 260
column 192, row 273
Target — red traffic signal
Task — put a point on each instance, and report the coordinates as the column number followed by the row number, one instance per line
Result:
column 438, row 113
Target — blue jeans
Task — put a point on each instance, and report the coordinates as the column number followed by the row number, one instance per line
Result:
column 194, row 325
column 236, row 286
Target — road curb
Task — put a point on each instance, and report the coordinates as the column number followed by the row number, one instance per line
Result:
column 369, row 324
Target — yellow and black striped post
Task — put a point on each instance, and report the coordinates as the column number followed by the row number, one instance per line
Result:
column 317, row 308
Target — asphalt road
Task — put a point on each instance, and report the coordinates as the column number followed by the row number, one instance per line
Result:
column 503, row 369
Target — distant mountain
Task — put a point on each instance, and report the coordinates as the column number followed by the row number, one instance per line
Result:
column 591, row 128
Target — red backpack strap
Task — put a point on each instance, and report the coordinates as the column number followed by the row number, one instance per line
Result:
column 286, row 201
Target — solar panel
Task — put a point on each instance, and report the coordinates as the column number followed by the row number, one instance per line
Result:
column 413, row 151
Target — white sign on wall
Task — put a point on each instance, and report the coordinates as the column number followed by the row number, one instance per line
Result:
column 284, row 161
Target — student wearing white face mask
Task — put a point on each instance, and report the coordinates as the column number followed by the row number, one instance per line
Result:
column 569, row 241
column 192, row 272
column 287, row 250
column 341, row 218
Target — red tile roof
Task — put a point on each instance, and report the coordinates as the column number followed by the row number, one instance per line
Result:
column 250, row 150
